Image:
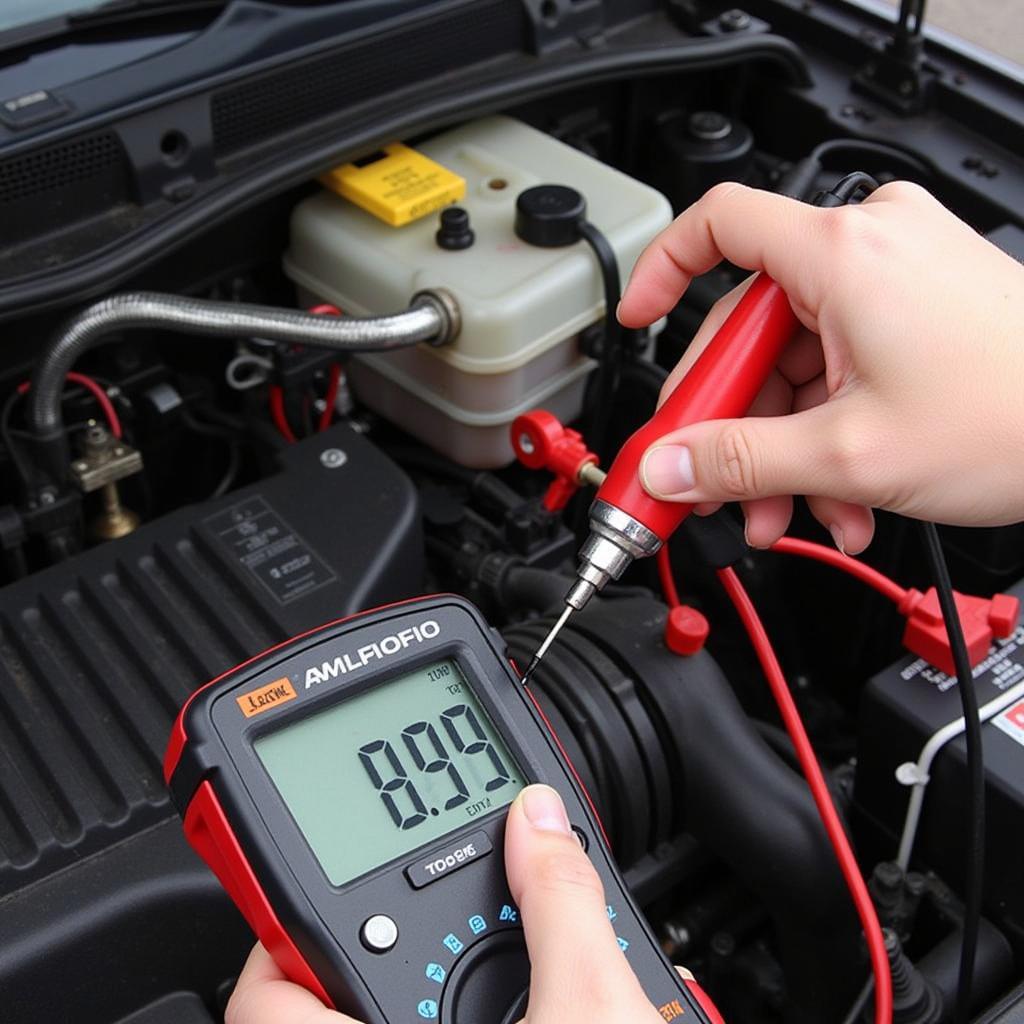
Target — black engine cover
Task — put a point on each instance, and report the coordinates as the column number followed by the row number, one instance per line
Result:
column 98, row 654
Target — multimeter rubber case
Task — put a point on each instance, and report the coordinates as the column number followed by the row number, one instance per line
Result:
column 349, row 789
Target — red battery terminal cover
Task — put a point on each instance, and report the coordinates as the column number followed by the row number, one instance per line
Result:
column 540, row 441
column 983, row 620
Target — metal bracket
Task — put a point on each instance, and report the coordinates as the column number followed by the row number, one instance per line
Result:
column 897, row 75
column 105, row 460
column 553, row 23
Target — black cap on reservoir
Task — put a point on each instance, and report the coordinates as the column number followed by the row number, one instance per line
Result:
column 549, row 216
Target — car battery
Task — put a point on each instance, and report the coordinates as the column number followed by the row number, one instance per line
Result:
column 902, row 708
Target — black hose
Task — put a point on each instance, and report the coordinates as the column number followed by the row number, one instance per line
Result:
column 730, row 790
column 536, row 589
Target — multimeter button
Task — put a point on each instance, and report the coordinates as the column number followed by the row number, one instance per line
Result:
column 379, row 933
column 448, row 859
column 488, row 983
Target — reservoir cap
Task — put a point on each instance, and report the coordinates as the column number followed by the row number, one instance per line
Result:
column 549, row 216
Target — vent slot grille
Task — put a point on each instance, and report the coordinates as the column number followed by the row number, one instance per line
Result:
column 287, row 99
column 56, row 167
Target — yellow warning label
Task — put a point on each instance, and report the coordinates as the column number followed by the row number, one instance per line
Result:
column 255, row 702
column 397, row 184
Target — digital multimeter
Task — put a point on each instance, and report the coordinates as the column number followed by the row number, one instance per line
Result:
column 349, row 789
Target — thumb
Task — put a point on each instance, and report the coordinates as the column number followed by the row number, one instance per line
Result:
column 575, row 961
column 746, row 459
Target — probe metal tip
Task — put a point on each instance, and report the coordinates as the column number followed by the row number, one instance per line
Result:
column 548, row 641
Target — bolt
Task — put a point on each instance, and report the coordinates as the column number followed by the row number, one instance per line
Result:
column 333, row 458
column 888, row 875
column 80, row 466
column 526, row 444
column 47, row 496
column 734, row 20
column 709, row 125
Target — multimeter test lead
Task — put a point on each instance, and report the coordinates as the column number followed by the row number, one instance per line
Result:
column 625, row 521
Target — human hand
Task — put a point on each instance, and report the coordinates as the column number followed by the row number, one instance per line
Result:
column 575, row 959
column 902, row 390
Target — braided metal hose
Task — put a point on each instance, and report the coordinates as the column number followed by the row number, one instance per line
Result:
column 431, row 317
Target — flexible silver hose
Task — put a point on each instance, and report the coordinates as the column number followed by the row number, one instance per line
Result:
column 431, row 317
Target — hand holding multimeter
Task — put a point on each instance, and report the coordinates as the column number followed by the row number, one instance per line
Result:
column 350, row 790
column 567, row 933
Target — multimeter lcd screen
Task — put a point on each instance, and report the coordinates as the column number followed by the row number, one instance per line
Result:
column 389, row 771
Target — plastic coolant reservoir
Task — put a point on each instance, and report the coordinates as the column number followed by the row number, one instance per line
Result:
column 523, row 307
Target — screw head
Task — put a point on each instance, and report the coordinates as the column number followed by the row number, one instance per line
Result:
column 709, row 125
column 333, row 458
column 734, row 20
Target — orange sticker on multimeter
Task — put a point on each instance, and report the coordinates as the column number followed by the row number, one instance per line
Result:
column 255, row 702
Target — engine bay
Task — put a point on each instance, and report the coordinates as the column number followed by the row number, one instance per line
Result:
column 268, row 376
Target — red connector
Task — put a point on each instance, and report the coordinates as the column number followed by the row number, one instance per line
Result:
column 983, row 620
column 541, row 442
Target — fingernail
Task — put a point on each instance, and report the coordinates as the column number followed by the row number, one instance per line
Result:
column 668, row 469
column 837, row 536
column 544, row 809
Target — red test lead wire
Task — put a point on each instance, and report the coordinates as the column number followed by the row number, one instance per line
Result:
column 819, row 791
column 830, row 556
column 983, row 619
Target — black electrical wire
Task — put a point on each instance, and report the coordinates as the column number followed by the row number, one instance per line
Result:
column 611, row 347
column 882, row 149
column 846, row 189
column 857, row 1010
column 975, row 765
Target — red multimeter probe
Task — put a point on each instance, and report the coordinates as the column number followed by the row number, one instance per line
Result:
column 349, row 789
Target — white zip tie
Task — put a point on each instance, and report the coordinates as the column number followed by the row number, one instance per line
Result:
column 917, row 775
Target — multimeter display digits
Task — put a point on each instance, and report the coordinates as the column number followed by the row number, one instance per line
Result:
column 391, row 770
column 349, row 789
